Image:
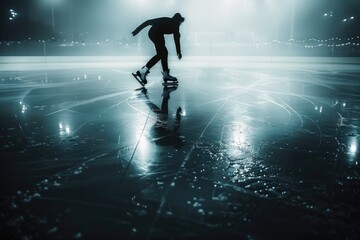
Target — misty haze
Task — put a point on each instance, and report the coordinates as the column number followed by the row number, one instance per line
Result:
column 179, row 119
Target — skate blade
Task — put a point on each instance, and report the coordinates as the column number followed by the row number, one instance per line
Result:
column 137, row 79
column 141, row 89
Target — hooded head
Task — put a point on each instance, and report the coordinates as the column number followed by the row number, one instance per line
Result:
column 178, row 18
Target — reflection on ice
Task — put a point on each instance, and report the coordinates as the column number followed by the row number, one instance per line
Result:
column 237, row 144
column 64, row 130
column 237, row 137
column 23, row 108
column 320, row 109
column 142, row 154
column 353, row 148
column 245, row 161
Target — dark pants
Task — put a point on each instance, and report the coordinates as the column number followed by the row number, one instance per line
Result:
column 161, row 51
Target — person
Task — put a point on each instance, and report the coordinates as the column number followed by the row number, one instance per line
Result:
column 160, row 27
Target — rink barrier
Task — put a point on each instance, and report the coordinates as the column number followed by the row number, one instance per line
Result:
column 52, row 62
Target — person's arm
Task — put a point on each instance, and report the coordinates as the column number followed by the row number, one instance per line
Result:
column 177, row 44
column 142, row 26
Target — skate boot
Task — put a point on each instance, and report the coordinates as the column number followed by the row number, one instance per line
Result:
column 168, row 79
column 142, row 73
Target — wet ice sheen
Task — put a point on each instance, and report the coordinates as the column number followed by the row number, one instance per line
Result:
column 256, row 147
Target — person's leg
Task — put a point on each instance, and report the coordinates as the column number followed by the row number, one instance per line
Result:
column 161, row 51
column 161, row 54
column 164, row 58
column 152, row 61
column 158, row 41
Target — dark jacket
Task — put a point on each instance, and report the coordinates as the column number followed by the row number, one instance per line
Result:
column 162, row 26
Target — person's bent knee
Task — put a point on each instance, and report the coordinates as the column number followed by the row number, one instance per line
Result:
column 163, row 52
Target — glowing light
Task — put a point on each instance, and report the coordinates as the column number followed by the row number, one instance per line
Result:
column 353, row 148
column 13, row 15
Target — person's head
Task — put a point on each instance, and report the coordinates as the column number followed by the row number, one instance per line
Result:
column 178, row 18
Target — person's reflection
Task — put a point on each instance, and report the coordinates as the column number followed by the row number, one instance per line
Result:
column 160, row 132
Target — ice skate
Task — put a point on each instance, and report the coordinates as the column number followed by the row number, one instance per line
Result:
column 168, row 79
column 141, row 74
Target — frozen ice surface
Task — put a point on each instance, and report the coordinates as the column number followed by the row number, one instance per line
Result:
column 257, row 151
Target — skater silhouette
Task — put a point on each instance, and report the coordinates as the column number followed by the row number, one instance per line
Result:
column 160, row 27
column 161, row 134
